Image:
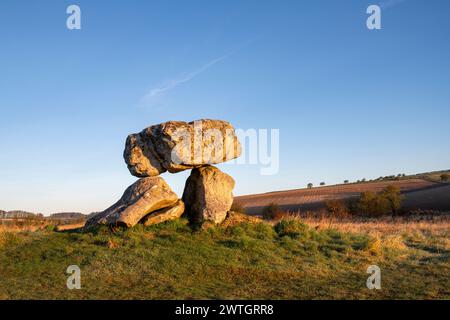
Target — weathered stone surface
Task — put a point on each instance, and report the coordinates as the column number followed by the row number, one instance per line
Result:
column 175, row 146
column 170, row 213
column 208, row 195
column 141, row 198
column 141, row 157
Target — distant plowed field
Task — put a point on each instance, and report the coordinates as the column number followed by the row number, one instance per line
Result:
column 419, row 194
column 429, row 199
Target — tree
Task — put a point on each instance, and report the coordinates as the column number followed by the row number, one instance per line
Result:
column 345, row 181
column 388, row 201
column 272, row 212
column 363, row 180
column 336, row 208
column 445, row 177
column 366, row 202
column 310, row 185
column 372, row 204
column 322, row 183
column 394, row 198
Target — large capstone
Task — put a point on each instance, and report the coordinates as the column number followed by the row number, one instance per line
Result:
column 175, row 146
column 208, row 195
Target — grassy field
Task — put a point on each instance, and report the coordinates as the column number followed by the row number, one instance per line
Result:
column 247, row 260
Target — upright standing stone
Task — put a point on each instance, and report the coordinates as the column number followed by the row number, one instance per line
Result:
column 208, row 195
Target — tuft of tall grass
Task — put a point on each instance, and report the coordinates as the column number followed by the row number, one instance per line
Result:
column 293, row 228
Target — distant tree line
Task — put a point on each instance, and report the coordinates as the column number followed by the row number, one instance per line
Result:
column 385, row 178
column 18, row 214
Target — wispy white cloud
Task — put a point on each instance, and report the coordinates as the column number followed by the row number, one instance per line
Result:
column 156, row 94
column 175, row 82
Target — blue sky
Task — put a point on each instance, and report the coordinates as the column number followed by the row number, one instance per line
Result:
column 349, row 102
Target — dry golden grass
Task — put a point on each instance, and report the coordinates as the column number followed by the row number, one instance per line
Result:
column 388, row 232
column 235, row 218
column 16, row 228
column 10, row 229
column 385, row 232
column 2, row 236
column 383, row 226
column 72, row 226
column 4, row 233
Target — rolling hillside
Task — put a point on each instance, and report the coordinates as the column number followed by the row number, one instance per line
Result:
column 419, row 194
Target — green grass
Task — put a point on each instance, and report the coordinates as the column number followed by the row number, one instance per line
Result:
column 247, row 261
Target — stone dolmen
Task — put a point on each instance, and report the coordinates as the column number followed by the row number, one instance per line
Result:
column 176, row 146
